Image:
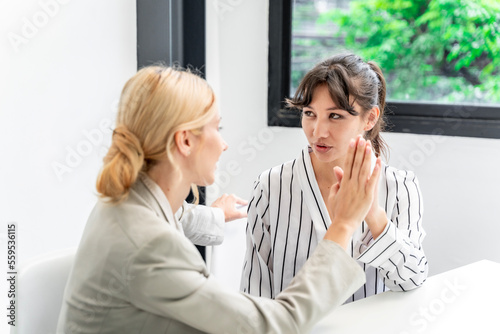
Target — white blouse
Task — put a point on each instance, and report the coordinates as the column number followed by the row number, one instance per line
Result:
column 287, row 217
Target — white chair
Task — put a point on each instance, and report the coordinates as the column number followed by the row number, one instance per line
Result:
column 40, row 290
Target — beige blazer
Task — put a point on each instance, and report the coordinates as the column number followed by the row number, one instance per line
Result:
column 136, row 272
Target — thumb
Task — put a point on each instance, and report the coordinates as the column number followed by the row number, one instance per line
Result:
column 335, row 189
column 339, row 173
column 373, row 181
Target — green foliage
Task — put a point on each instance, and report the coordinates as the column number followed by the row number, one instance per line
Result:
column 434, row 50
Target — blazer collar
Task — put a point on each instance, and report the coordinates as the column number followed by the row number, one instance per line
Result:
column 160, row 198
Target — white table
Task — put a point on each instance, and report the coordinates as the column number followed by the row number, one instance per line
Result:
column 463, row 300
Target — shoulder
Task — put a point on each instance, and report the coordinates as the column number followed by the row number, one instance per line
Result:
column 282, row 172
column 394, row 176
column 133, row 219
column 402, row 183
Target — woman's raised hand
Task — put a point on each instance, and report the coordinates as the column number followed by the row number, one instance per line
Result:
column 228, row 204
column 351, row 197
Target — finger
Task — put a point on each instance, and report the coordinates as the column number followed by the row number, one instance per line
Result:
column 241, row 200
column 335, row 189
column 351, row 150
column 220, row 202
column 358, row 159
column 339, row 174
column 364, row 172
column 241, row 214
column 238, row 215
column 373, row 182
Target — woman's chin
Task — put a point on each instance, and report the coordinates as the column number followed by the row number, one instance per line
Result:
column 206, row 181
column 325, row 157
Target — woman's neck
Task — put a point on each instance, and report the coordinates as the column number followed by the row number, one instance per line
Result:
column 323, row 171
column 171, row 182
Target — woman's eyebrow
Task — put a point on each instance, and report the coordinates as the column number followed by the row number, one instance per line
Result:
column 329, row 109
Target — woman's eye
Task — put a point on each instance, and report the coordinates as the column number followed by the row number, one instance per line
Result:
column 334, row 116
column 307, row 113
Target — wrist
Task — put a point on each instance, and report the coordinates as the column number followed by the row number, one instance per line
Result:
column 341, row 232
column 377, row 222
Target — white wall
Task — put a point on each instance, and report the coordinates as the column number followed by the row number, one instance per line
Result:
column 460, row 181
column 64, row 82
column 459, row 177
column 62, row 64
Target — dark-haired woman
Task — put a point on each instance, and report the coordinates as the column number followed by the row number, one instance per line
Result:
column 339, row 98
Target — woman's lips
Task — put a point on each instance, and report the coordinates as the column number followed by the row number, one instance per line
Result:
column 321, row 148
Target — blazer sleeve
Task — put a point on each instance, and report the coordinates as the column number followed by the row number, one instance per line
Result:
column 257, row 275
column 168, row 278
column 203, row 225
column 398, row 252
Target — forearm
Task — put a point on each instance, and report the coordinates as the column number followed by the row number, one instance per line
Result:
column 377, row 222
column 407, row 269
column 203, row 225
column 328, row 278
column 402, row 264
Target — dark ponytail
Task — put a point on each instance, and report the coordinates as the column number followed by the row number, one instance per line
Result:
column 378, row 143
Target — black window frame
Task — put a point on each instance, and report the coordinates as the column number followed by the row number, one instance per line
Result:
column 172, row 32
column 465, row 120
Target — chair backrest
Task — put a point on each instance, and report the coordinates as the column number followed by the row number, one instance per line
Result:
column 40, row 288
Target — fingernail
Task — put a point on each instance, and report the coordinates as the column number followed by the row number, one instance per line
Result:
column 351, row 143
column 361, row 142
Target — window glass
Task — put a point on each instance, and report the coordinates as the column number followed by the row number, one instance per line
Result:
column 438, row 51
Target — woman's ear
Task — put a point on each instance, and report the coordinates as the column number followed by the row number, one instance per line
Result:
column 184, row 142
column 372, row 118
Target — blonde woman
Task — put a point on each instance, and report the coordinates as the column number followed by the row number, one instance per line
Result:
column 136, row 272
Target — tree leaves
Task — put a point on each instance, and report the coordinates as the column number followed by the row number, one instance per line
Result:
column 439, row 50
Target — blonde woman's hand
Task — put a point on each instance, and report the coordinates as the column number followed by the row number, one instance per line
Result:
column 228, row 204
column 350, row 199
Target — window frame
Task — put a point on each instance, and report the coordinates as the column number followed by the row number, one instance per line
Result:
column 465, row 120
column 173, row 33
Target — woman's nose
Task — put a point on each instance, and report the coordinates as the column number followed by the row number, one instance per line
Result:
column 320, row 130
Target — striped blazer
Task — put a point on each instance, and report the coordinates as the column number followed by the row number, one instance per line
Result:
column 287, row 217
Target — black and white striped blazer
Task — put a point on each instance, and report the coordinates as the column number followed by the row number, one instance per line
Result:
column 287, row 217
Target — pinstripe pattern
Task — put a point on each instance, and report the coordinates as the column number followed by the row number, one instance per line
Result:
column 287, row 217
